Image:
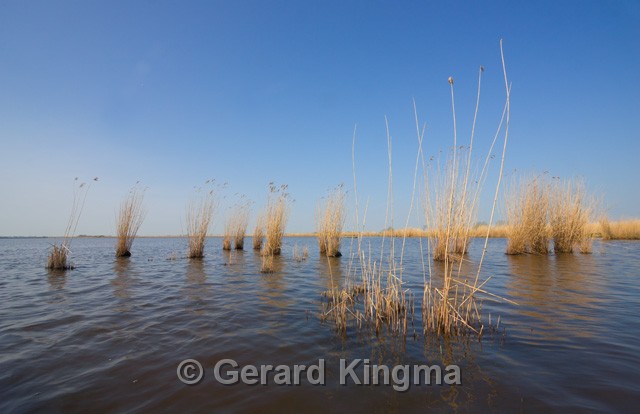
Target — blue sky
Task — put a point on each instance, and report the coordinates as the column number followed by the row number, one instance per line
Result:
column 249, row 92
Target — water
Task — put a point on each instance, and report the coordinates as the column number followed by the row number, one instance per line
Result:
column 109, row 335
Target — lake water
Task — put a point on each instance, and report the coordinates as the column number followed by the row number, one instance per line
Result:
column 108, row 336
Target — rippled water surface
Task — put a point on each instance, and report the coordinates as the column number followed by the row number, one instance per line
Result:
column 109, row 335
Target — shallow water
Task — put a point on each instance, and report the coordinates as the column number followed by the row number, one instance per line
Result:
column 108, row 336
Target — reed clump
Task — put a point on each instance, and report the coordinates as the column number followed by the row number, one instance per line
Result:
column 373, row 299
column 453, row 215
column 129, row 220
column 527, row 202
column 226, row 240
column 569, row 214
column 241, row 223
column 236, row 226
column 277, row 213
column 199, row 216
column 58, row 258
column 258, row 232
column 330, row 221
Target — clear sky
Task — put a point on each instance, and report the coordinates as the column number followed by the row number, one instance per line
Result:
column 248, row 92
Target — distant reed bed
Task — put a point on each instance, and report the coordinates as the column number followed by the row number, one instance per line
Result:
column 618, row 230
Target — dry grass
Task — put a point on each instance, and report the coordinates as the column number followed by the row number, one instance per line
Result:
column 57, row 259
column 258, row 232
column 452, row 307
column 199, row 216
column 236, row 227
column 496, row 231
column 375, row 294
column 527, row 202
column 569, row 214
column 330, row 221
column 226, row 241
column 241, row 223
column 129, row 220
column 456, row 193
column 376, row 301
column 275, row 219
column 452, row 213
column 59, row 255
column 619, row 230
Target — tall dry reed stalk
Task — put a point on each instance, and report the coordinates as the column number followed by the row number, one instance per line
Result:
column 58, row 257
column 527, row 202
column 199, row 216
column 129, row 220
column 275, row 219
column 330, row 221
column 375, row 294
column 452, row 308
column 456, row 194
column 569, row 214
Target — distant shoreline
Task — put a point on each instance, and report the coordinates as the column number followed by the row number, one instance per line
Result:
column 619, row 230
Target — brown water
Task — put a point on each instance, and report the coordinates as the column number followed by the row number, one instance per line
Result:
column 109, row 335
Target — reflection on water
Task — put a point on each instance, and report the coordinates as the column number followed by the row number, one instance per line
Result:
column 196, row 290
column 122, row 281
column 274, row 287
column 330, row 272
column 550, row 289
column 108, row 335
column 56, row 279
